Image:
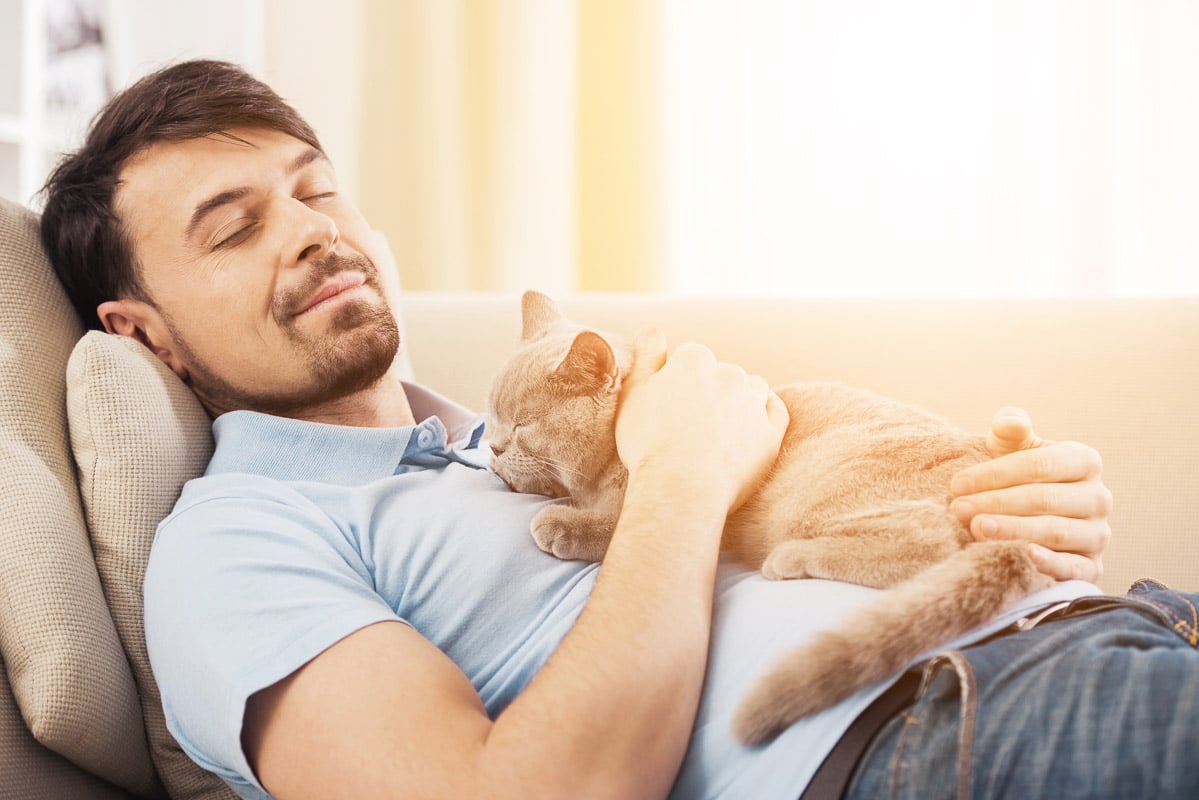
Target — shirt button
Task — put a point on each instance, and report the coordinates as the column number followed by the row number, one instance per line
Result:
column 424, row 438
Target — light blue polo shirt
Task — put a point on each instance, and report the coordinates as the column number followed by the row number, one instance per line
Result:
column 301, row 533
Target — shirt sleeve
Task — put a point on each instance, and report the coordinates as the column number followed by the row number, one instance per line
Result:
column 242, row 589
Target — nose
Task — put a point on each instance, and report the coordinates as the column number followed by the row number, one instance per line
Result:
column 315, row 234
column 497, row 450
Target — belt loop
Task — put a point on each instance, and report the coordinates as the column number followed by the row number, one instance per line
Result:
column 968, row 690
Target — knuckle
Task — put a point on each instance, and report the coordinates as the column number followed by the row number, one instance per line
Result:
column 1051, row 496
column 733, row 371
column 1080, row 569
column 992, row 502
column 1059, row 534
column 1089, row 541
column 1092, row 461
column 1042, row 464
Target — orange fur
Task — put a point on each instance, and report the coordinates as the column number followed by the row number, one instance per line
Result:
column 859, row 493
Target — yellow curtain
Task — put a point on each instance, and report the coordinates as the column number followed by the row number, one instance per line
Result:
column 512, row 144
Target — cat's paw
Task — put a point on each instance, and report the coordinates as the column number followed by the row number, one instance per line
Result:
column 563, row 533
column 787, row 561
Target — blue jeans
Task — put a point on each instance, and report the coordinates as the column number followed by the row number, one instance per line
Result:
column 1099, row 701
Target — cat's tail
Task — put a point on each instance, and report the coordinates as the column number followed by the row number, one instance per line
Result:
column 947, row 599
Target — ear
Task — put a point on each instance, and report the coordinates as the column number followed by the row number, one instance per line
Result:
column 140, row 320
column 590, row 364
column 539, row 313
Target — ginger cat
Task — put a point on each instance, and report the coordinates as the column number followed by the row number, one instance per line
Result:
column 859, row 493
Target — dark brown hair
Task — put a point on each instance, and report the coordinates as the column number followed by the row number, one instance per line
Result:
column 81, row 232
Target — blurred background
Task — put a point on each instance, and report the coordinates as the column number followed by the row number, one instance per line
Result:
column 931, row 148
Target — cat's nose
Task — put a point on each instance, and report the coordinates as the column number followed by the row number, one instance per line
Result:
column 497, row 451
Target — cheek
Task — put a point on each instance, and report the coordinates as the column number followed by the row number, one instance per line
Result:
column 234, row 337
column 226, row 316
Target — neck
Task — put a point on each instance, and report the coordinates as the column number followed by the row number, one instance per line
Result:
column 381, row 405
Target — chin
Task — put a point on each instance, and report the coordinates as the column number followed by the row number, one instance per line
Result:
column 357, row 359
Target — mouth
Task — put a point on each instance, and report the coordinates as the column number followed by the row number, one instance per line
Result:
column 338, row 287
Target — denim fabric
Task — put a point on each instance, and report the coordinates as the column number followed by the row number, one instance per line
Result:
column 1098, row 701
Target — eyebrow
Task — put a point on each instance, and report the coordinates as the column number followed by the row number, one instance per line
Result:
column 233, row 195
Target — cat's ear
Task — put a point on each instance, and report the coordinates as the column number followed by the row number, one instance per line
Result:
column 590, row 364
column 539, row 313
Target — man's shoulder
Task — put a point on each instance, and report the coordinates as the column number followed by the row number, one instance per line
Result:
column 232, row 520
column 237, row 498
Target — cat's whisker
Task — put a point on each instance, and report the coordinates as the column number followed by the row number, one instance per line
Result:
column 557, row 465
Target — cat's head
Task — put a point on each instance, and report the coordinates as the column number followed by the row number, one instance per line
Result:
column 552, row 408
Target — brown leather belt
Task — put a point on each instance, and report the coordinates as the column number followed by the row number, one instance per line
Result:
column 832, row 776
column 834, row 773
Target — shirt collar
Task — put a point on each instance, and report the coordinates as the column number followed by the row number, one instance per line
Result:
column 297, row 450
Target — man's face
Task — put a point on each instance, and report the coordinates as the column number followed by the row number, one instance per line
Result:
column 262, row 274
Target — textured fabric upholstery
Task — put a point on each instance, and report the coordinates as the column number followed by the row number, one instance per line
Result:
column 67, row 670
column 138, row 434
column 30, row 771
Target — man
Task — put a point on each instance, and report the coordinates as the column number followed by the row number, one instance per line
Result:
column 349, row 604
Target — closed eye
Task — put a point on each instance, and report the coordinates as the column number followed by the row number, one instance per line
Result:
column 237, row 237
column 322, row 197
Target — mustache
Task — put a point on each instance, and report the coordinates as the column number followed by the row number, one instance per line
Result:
column 288, row 302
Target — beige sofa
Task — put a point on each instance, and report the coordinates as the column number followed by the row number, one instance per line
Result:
column 90, row 462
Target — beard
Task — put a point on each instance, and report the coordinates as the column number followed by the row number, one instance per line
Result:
column 353, row 353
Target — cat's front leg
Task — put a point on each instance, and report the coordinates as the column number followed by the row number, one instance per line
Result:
column 571, row 533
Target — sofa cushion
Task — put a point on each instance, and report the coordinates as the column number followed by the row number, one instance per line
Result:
column 32, row 772
column 66, row 668
column 138, row 434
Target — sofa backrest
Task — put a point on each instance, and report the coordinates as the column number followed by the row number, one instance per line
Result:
column 65, row 663
column 1121, row 374
column 96, row 438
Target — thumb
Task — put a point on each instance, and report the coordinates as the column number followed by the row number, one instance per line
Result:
column 649, row 354
column 1011, row 430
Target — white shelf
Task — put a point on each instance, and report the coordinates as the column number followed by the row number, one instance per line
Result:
column 138, row 35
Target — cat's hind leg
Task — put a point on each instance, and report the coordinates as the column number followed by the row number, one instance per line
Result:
column 877, row 548
column 878, row 561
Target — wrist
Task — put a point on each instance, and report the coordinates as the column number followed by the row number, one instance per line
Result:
column 679, row 487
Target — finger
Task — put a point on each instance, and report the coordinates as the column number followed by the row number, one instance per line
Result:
column 1086, row 537
column 1011, row 431
column 1082, row 500
column 649, row 354
column 691, row 352
column 1066, row 566
column 1054, row 463
column 776, row 411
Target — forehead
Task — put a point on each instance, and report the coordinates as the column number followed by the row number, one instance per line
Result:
column 160, row 186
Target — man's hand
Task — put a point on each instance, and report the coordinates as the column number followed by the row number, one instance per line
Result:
column 1050, row 494
column 709, row 423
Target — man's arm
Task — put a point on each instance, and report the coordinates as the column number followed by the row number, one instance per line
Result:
column 384, row 713
column 1051, row 494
